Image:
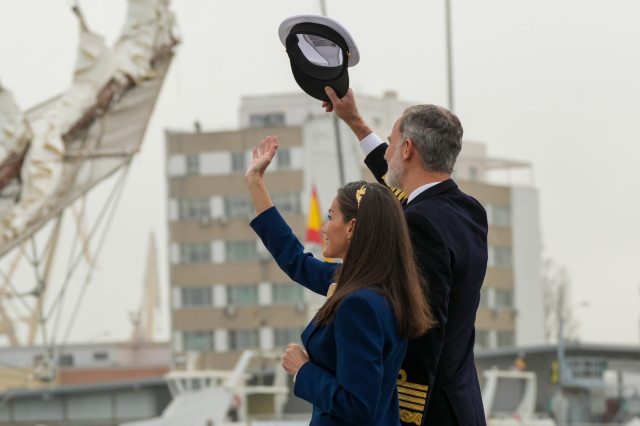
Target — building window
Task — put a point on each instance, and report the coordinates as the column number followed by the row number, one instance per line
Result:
column 238, row 206
column 482, row 339
column 241, row 251
column 504, row 298
column 288, row 293
column 194, row 208
column 473, row 174
column 65, row 360
column 238, row 161
column 100, row 356
column 195, row 253
column 500, row 215
column 283, row 336
column 501, row 257
column 243, row 295
column 586, row 368
column 239, row 340
column 484, row 297
column 288, row 203
column 283, row 159
column 193, row 297
column 201, row 341
column 272, row 119
column 506, row 338
column 193, row 164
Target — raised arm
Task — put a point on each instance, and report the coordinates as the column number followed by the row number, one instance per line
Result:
column 274, row 232
column 254, row 175
column 346, row 109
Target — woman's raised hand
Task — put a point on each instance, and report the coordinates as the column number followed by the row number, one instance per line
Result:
column 253, row 177
column 262, row 157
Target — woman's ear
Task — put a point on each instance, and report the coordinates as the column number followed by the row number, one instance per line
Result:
column 352, row 224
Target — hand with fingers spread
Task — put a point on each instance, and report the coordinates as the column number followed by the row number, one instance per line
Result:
column 262, row 157
column 294, row 358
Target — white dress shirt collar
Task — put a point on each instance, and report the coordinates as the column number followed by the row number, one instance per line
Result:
column 420, row 190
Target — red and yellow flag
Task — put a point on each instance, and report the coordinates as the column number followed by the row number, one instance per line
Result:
column 314, row 241
column 314, row 220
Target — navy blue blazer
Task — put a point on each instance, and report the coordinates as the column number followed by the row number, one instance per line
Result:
column 448, row 231
column 355, row 359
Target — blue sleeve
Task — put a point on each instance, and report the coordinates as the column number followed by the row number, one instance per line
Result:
column 353, row 394
column 284, row 246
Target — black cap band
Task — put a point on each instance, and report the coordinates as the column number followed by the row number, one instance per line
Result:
column 311, row 77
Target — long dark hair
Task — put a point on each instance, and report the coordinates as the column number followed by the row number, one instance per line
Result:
column 379, row 257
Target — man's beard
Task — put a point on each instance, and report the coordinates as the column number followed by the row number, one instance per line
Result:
column 396, row 170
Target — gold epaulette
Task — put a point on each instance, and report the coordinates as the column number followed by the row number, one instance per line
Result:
column 399, row 193
column 412, row 396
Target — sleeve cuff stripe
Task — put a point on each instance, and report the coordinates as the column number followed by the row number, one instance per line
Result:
column 412, row 406
column 411, row 399
column 412, row 392
column 413, row 386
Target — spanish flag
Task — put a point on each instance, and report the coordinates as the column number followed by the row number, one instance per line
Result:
column 314, row 220
column 314, row 242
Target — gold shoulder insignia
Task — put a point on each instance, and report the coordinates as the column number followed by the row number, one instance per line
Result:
column 399, row 193
column 412, row 396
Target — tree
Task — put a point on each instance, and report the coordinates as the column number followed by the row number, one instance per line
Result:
column 556, row 301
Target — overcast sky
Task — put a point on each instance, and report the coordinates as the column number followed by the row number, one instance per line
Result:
column 553, row 83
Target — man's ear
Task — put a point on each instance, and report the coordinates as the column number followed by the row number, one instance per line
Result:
column 408, row 149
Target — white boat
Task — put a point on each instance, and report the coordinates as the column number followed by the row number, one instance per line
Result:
column 524, row 413
column 221, row 398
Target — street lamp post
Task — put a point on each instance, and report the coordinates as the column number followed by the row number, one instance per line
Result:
column 561, row 410
column 336, row 124
column 447, row 20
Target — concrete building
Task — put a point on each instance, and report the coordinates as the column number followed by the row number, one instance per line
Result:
column 26, row 366
column 511, row 311
column 102, row 384
column 228, row 294
column 108, row 403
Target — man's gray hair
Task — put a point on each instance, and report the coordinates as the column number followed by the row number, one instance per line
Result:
column 437, row 134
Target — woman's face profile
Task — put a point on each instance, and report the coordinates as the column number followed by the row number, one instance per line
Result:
column 336, row 233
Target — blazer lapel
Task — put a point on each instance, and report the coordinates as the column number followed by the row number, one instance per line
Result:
column 306, row 334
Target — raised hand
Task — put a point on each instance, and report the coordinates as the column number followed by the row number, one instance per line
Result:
column 262, row 157
column 345, row 108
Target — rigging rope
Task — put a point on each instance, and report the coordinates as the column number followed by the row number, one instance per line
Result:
column 88, row 277
column 71, row 270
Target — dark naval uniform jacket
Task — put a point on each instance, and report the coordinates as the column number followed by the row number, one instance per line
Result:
column 448, row 231
column 351, row 379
